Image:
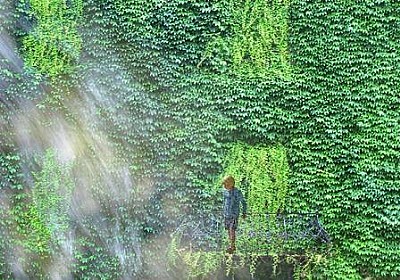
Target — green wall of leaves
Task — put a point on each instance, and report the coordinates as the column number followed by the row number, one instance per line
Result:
column 321, row 78
column 347, row 143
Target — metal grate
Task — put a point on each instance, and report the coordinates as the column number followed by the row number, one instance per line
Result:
column 208, row 233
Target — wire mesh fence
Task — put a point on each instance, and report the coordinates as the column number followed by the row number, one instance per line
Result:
column 256, row 233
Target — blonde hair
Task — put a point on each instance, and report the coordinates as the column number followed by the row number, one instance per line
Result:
column 229, row 179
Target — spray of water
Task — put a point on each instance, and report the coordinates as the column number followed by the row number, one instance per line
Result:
column 99, row 180
column 103, row 185
column 104, row 193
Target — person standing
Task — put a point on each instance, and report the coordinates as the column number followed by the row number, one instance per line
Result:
column 233, row 197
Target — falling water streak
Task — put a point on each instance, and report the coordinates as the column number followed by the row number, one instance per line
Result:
column 8, row 53
column 10, row 64
column 84, row 143
column 37, row 130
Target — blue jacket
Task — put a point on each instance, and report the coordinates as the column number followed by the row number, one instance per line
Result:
column 232, row 201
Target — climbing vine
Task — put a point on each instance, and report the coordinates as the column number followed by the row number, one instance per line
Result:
column 254, row 41
column 52, row 193
column 262, row 173
column 42, row 219
column 53, row 46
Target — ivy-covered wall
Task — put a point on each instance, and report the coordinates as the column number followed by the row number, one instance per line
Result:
column 145, row 98
column 346, row 141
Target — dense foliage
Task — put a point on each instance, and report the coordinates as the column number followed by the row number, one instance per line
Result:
column 53, row 45
column 118, row 118
column 347, row 144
